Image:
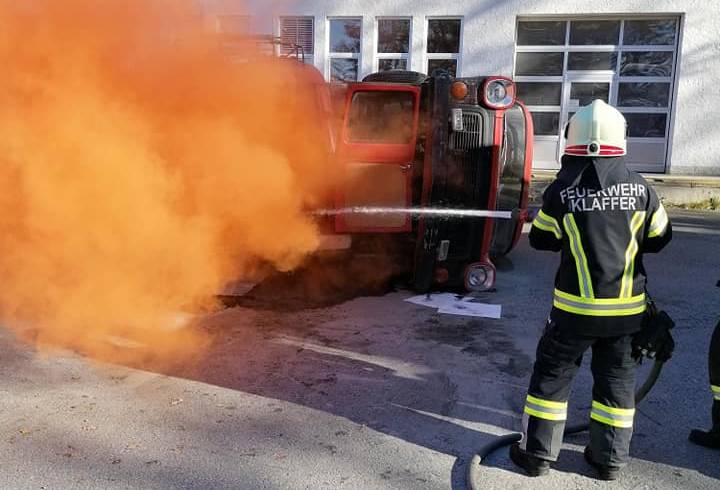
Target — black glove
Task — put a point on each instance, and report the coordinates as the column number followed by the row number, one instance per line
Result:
column 665, row 350
column 654, row 341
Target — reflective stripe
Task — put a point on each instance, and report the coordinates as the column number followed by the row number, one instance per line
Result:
column 715, row 391
column 626, row 286
column 583, row 271
column 616, row 417
column 546, row 409
column 599, row 306
column 547, row 223
column 659, row 222
column 547, row 403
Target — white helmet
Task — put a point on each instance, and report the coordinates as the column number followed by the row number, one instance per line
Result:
column 596, row 130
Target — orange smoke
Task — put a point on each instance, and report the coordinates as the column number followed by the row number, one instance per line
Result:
column 141, row 171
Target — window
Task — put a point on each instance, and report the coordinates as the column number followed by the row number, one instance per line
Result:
column 564, row 64
column 443, row 45
column 393, row 46
column 541, row 33
column 297, row 31
column 381, row 117
column 591, row 61
column 643, row 94
column 539, row 64
column 541, row 93
column 546, row 123
column 585, row 92
column 646, row 64
column 344, row 48
column 657, row 32
column 594, row 32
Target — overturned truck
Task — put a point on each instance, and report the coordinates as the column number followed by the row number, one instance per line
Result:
column 440, row 166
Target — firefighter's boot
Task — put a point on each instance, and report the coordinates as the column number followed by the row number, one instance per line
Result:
column 604, row 472
column 530, row 464
column 709, row 438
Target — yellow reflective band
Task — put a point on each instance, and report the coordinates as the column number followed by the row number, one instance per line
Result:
column 593, row 312
column 608, row 421
column 625, row 412
column 601, row 301
column 599, row 306
column 546, row 222
column 547, row 403
column 546, row 409
column 539, row 224
column 615, row 417
column 626, row 286
column 581, row 264
column 659, row 222
column 715, row 391
column 556, row 417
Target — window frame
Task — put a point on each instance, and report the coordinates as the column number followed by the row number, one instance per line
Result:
column 568, row 75
column 333, row 55
column 427, row 57
column 309, row 56
column 378, row 56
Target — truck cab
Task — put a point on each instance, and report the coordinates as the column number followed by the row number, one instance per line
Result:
column 427, row 153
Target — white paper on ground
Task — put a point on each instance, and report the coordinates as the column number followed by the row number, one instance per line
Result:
column 438, row 300
column 467, row 308
column 453, row 304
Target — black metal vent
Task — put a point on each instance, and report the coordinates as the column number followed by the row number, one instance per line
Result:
column 470, row 137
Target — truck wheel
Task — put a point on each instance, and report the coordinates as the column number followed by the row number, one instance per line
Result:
column 396, row 76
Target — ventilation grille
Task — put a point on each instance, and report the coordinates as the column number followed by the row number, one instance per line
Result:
column 470, row 137
column 297, row 31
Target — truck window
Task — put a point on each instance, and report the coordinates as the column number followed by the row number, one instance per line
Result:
column 381, row 117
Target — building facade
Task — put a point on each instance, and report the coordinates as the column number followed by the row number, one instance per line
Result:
column 657, row 61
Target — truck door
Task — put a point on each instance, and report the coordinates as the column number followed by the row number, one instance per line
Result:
column 375, row 153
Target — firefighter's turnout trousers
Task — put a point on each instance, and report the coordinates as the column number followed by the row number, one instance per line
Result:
column 559, row 354
column 714, row 359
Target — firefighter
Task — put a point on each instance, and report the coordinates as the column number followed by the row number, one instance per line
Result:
column 711, row 438
column 602, row 218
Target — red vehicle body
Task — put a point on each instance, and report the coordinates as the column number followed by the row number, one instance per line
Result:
column 420, row 159
column 442, row 150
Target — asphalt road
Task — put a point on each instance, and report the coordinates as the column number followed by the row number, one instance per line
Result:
column 374, row 393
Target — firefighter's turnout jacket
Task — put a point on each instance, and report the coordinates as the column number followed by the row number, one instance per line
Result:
column 602, row 217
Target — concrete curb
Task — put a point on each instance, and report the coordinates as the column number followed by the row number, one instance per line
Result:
column 681, row 190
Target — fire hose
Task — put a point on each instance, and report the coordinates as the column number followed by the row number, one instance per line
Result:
column 654, row 341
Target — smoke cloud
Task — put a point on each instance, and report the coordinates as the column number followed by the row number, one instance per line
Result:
column 141, row 171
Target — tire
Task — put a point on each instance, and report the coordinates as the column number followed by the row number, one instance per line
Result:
column 397, row 76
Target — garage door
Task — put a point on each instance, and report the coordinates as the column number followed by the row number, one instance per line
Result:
column 563, row 64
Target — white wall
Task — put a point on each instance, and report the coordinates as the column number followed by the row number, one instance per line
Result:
column 489, row 40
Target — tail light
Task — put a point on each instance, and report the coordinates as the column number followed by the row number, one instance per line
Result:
column 498, row 93
column 479, row 276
